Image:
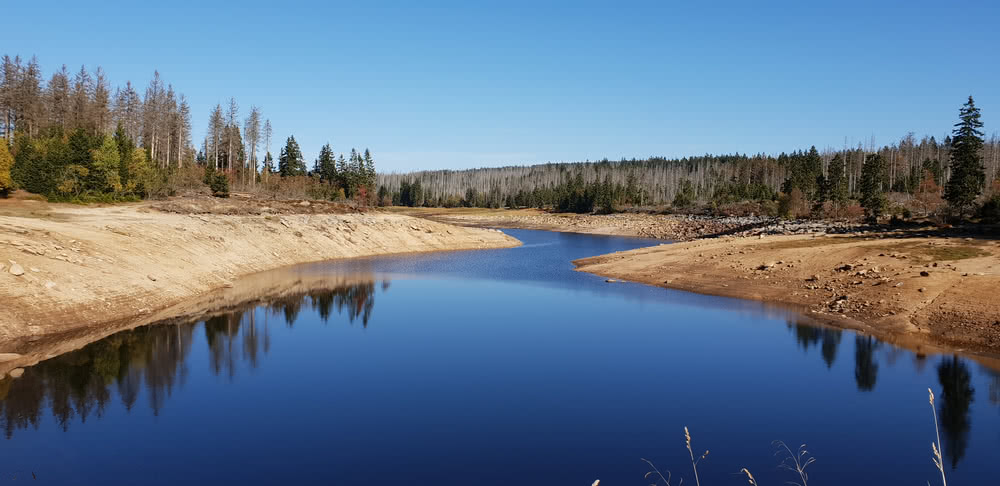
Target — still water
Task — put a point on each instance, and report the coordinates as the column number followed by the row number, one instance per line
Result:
column 493, row 367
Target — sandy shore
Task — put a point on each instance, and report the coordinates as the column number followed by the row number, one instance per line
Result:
column 917, row 291
column 67, row 267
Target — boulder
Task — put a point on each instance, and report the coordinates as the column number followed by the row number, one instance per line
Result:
column 16, row 270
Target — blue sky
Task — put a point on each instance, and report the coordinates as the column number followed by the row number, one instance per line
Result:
column 469, row 84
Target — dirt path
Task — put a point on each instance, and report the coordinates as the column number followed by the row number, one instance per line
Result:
column 917, row 291
column 66, row 267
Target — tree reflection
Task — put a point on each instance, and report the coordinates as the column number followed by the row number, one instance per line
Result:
column 831, row 341
column 956, row 398
column 153, row 359
column 828, row 339
column 865, row 367
column 806, row 335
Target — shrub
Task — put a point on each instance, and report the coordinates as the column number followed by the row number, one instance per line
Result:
column 220, row 185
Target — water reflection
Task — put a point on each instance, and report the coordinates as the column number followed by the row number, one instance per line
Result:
column 79, row 385
column 956, row 398
column 828, row 340
column 865, row 366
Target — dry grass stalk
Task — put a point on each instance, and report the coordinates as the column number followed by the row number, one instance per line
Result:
column 694, row 462
column 936, row 447
column 750, row 478
column 796, row 461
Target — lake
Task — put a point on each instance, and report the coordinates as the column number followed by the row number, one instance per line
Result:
column 494, row 367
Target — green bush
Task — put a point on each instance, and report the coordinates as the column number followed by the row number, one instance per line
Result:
column 220, row 185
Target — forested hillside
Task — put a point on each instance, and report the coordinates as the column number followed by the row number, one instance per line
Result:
column 73, row 137
column 910, row 169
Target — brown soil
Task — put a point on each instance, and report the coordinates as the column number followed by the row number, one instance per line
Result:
column 915, row 290
column 89, row 266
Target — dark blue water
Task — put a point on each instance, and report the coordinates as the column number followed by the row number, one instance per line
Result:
column 493, row 367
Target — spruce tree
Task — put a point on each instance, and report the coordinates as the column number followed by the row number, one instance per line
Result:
column 872, row 194
column 326, row 165
column 291, row 163
column 370, row 176
column 125, row 147
column 967, row 172
column 268, row 166
column 836, row 182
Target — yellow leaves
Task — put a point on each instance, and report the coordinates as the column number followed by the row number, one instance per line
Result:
column 6, row 162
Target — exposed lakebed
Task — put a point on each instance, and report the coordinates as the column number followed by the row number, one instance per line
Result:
column 493, row 367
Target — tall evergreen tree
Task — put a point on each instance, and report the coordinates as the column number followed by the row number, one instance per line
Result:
column 967, row 172
column 872, row 193
column 268, row 165
column 836, row 181
column 369, row 169
column 290, row 162
column 326, row 165
column 125, row 147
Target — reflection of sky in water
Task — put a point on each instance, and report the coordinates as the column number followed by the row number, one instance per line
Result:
column 493, row 367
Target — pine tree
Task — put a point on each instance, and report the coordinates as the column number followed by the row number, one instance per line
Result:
column 967, row 172
column 290, row 162
column 836, row 182
column 872, row 194
column 125, row 147
column 268, row 165
column 370, row 176
column 326, row 165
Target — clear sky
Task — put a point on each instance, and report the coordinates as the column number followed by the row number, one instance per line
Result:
column 469, row 84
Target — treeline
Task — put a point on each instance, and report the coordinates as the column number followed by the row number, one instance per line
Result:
column 830, row 182
column 73, row 138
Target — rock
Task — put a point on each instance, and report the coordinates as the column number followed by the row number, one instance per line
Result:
column 610, row 280
column 35, row 270
column 16, row 270
column 50, row 285
column 304, row 204
column 925, row 273
column 298, row 233
column 151, row 277
column 16, row 372
column 921, row 289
